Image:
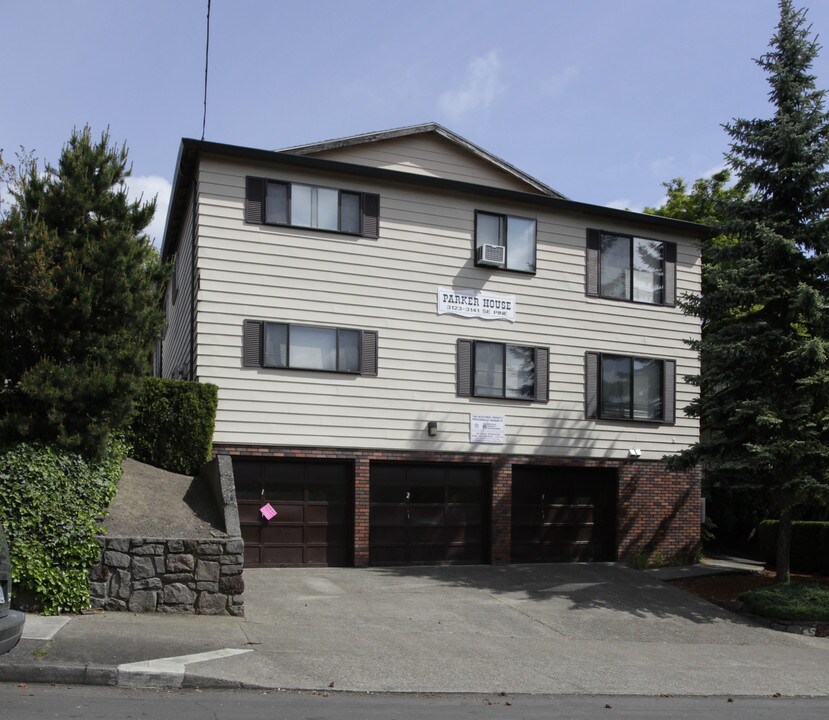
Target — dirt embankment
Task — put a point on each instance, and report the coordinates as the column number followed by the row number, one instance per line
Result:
column 151, row 502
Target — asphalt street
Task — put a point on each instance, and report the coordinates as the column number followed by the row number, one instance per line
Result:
column 37, row 702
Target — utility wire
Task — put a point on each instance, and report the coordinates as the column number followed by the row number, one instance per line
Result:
column 206, row 58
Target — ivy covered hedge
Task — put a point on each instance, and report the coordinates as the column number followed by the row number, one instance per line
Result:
column 810, row 545
column 172, row 427
column 50, row 504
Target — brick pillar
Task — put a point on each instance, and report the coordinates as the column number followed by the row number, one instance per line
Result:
column 658, row 511
column 501, row 511
column 361, row 509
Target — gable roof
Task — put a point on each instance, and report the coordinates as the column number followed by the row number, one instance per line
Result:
column 425, row 129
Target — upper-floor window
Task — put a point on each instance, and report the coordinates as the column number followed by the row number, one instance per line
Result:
column 309, row 347
column 505, row 241
column 624, row 387
column 626, row 267
column 500, row 370
column 276, row 202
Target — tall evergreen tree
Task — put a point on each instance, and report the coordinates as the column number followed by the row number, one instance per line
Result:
column 79, row 297
column 765, row 349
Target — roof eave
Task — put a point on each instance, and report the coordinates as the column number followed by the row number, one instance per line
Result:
column 191, row 151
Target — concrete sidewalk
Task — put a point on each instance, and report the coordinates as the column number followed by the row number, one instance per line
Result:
column 562, row 629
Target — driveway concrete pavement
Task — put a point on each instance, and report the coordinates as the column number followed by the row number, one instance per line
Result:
column 585, row 628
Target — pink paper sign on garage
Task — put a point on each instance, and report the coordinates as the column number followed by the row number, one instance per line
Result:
column 267, row 511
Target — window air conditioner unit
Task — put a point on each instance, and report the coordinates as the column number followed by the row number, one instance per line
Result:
column 492, row 255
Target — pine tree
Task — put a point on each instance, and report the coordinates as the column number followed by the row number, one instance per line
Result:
column 79, row 297
column 765, row 347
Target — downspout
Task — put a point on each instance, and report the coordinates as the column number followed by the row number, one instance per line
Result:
column 193, row 279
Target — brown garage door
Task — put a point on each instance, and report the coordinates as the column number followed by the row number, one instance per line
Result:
column 313, row 501
column 427, row 514
column 563, row 514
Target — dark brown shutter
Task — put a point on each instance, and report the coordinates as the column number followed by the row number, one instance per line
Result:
column 670, row 273
column 594, row 249
column 371, row 215
column 368, row 352
column 464, row 368
column 591, row 385
column 669, row 392
column 542, row 374
column 252, row 342
column 254, row 200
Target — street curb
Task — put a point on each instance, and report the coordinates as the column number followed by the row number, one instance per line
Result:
column 64, row 674
column 109, row 675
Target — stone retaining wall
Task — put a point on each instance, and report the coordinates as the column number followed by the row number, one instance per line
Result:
column 201, row 576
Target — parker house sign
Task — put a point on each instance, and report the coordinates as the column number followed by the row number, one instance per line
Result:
column 476, row 303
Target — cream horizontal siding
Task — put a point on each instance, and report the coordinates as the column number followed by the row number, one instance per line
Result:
column 175, row 348
column 427, row 155
column 390, row 285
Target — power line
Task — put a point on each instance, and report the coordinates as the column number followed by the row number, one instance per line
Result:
column 206, row 58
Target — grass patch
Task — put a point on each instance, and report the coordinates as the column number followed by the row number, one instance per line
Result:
column 794, row 601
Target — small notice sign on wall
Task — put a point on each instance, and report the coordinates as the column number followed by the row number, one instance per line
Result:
column 476, row 303
column 268, row 511
column 487, row 429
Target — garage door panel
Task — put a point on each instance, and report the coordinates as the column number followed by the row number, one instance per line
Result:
column 281, row 534
column 427, row 514
column 563, row 514
column 252, row 555
column 384, row 515
column 246, row 472
column 276, row 555
column 249, row 513
column 314, row 512
column 464, row 534
column 250, row 534
column 324, row 534
column 568, row 515
column 389, row 535
column 427, row 535
column 429, row 554
column 426, row 495
column 567, row 533
column 327, row 492
column 288, row 513
column 464, row 553
column 334, row 514
column 426, row 475
column 381, row 494
column 390, row 555
column 275, row 493
column 288, row 475
column 459, row 514
column 322, row 556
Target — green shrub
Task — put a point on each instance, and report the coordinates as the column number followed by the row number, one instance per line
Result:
column 50, row 502
column 172, row 427
column 810, row 545
column 792, row 601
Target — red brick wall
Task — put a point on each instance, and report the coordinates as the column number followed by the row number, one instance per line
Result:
column 658, row 510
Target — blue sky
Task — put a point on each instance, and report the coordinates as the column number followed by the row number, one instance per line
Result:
column 601, row 99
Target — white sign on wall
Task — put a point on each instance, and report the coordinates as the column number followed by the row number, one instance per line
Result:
column 476, row 303
column 487, row 429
